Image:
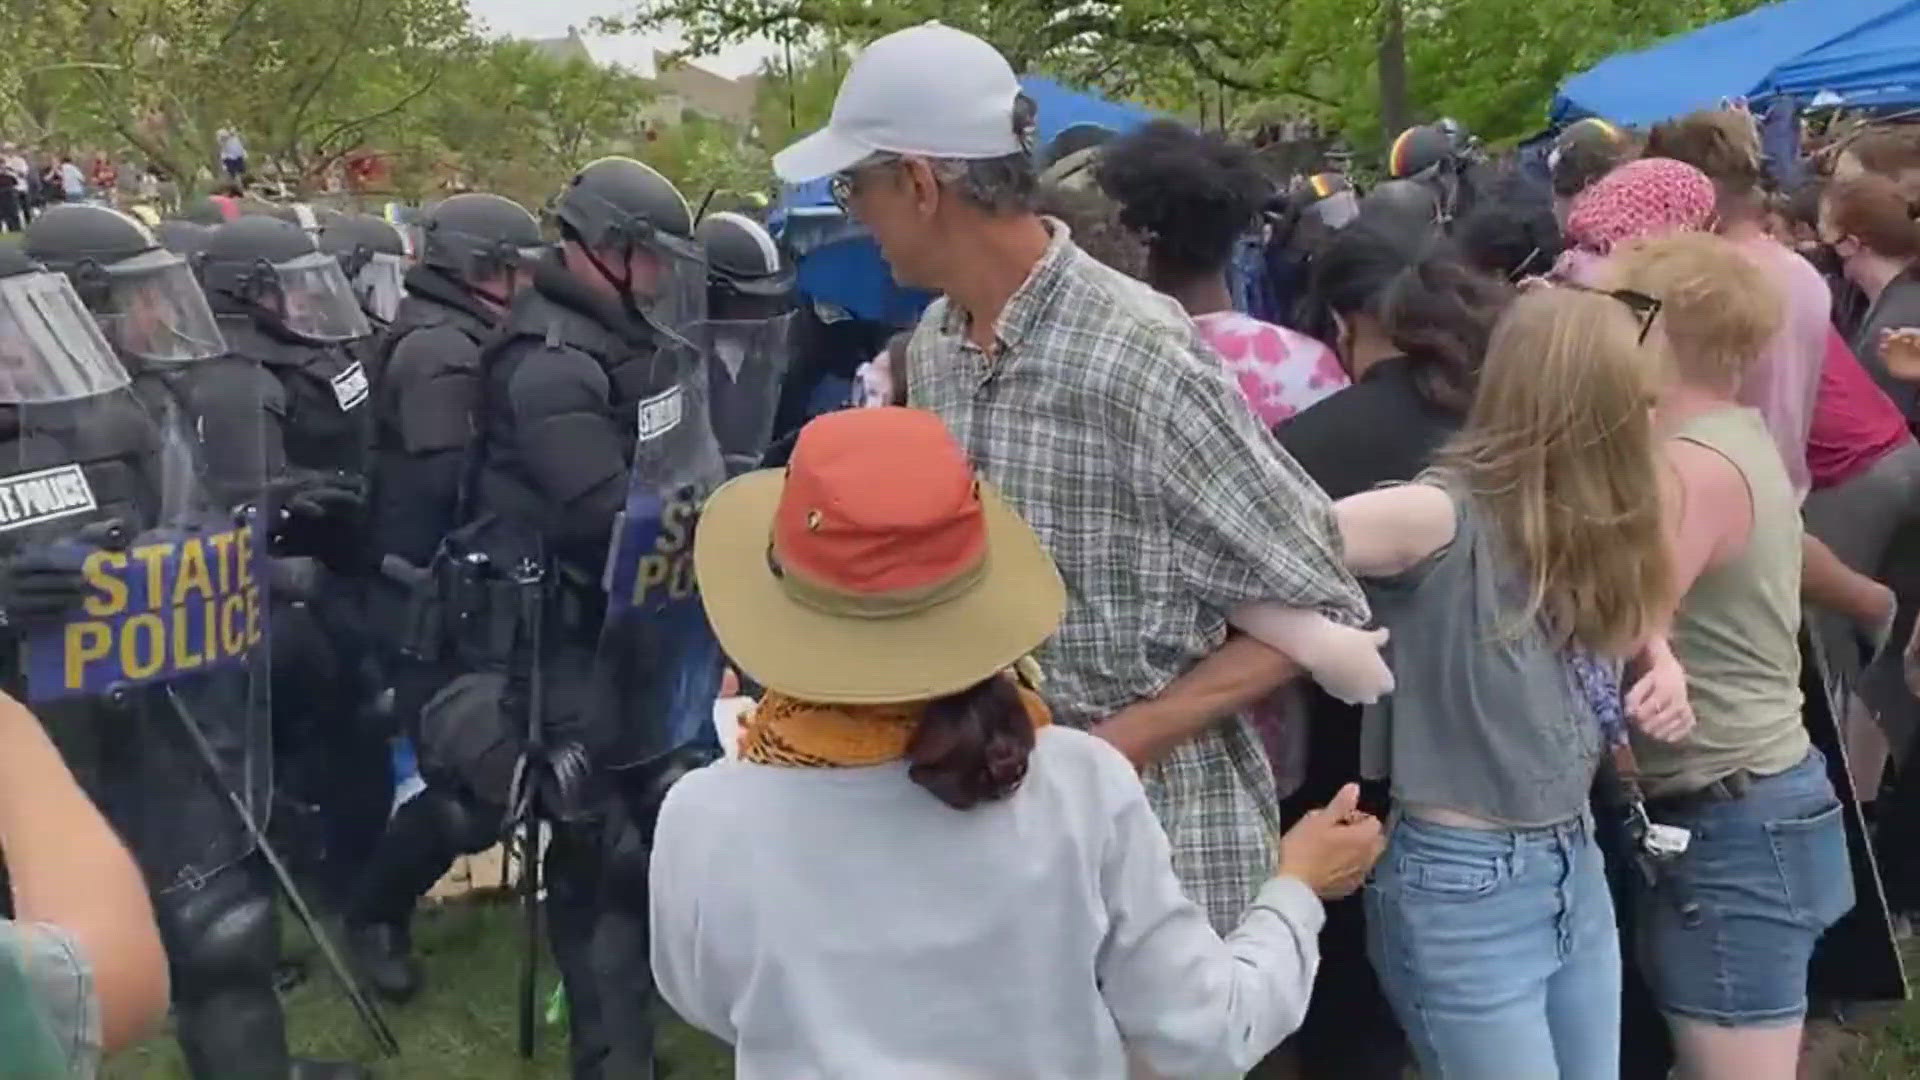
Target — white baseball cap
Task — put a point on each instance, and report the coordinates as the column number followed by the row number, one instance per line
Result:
column 929, row 91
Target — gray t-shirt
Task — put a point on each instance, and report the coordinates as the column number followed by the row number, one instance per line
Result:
column 1486, row 718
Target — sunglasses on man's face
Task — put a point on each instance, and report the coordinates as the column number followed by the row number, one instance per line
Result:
column 843, row 186
column 1645, row 308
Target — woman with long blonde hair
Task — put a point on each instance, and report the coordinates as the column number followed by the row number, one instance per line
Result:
column 1517, row 577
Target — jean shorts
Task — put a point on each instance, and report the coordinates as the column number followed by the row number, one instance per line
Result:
column 1725, row 935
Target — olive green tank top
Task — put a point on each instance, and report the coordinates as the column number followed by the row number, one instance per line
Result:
column 1737, row 630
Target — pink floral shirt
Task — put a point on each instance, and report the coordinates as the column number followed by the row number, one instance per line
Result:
column 1280, row 371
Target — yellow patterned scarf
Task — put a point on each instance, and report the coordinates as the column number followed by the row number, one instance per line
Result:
column 783, row 731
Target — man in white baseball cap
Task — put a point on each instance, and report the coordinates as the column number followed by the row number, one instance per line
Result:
column 923, row 115
column 1092, row 403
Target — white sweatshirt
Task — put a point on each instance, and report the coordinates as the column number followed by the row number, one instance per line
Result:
column 844, row 923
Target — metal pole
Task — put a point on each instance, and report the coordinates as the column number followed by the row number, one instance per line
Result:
column 369, row 1013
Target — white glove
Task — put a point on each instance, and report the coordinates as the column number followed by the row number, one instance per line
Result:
column 1346, row 662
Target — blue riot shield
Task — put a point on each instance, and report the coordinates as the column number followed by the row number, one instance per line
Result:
column 164, row 618
column 657, row 670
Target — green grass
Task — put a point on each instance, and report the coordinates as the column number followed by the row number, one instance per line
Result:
column 463, row 1026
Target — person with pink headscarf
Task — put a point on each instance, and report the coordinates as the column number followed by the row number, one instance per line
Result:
column 1644, row 198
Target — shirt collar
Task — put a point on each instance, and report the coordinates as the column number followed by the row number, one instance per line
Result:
column 1027, row 308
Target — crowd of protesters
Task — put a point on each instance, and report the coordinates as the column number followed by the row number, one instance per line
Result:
column 1556, row 435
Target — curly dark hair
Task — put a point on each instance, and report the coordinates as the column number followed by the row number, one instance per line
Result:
column 1435, row 308
column 1191, row 194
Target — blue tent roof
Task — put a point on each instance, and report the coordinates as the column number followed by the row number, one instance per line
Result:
column 1866, row 52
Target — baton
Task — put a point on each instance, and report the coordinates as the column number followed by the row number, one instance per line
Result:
column 369, row 1013
column 530, row 580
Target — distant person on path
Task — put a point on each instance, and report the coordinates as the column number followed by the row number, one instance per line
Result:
column 233, row 154
column 73, row 184
column 12, row 193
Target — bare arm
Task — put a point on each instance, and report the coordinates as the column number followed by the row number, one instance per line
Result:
column 1827, row 582
column 69, row 870
column 1709, row 517
column 1391, row 530
column 1236, row 675
column 1709, row 512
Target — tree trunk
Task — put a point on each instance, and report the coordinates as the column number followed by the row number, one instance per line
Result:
column 1395, row 115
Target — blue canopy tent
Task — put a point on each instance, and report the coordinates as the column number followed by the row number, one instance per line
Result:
column 1858, row 53
column 841, row 265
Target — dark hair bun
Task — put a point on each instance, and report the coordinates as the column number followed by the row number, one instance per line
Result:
column 972, row 747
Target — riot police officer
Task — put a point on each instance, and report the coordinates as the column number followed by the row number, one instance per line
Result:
column 373, row 254
column 171, row 744
column 425, row 399
column 593, row 411
column 286, row 307
column 748, row 343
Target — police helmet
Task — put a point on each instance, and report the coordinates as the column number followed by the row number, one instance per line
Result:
column 1406, row 202
column 67, row 235
column 617, row 205
column 373, row 254
column 144, row 296
column 310, row 218
column 618, row 201
column 1419, row 149
column 184, row 238
column 14, row 262
column 1075, row 138
column 273, row 270
column 477, row 236
column 50, row 345
column 747, row 274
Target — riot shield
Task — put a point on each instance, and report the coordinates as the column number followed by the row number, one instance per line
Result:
column 657, row 669
column 166, row 628
column 746, row 365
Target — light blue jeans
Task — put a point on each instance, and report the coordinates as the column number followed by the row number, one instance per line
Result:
column 1498, row 951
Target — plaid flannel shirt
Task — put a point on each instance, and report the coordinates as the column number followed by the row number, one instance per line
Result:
column 1111, row 427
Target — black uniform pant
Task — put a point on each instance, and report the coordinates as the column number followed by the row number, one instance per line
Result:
column 214, row 899
column 1349, row 1032
column 596, row 877
column 334, row 754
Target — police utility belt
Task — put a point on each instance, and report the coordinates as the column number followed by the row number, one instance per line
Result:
column 464, row 608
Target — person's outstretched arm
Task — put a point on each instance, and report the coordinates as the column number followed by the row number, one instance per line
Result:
column 70, row 871
column 1188, row 1003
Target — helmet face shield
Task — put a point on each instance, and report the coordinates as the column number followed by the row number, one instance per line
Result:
column 154, row 309
column 51, row 349
column 673, row 294
column 381, row 284
column 314, row 301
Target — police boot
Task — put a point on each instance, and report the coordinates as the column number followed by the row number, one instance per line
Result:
column 383, row 955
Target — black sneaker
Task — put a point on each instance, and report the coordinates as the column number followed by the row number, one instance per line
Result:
column 384, row 957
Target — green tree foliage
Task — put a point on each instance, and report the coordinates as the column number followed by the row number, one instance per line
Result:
column 307, row 84
column 1492, row 63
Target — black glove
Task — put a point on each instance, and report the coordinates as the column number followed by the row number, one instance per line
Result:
column 37, row 588
column 41, row 585
column 320, row 518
